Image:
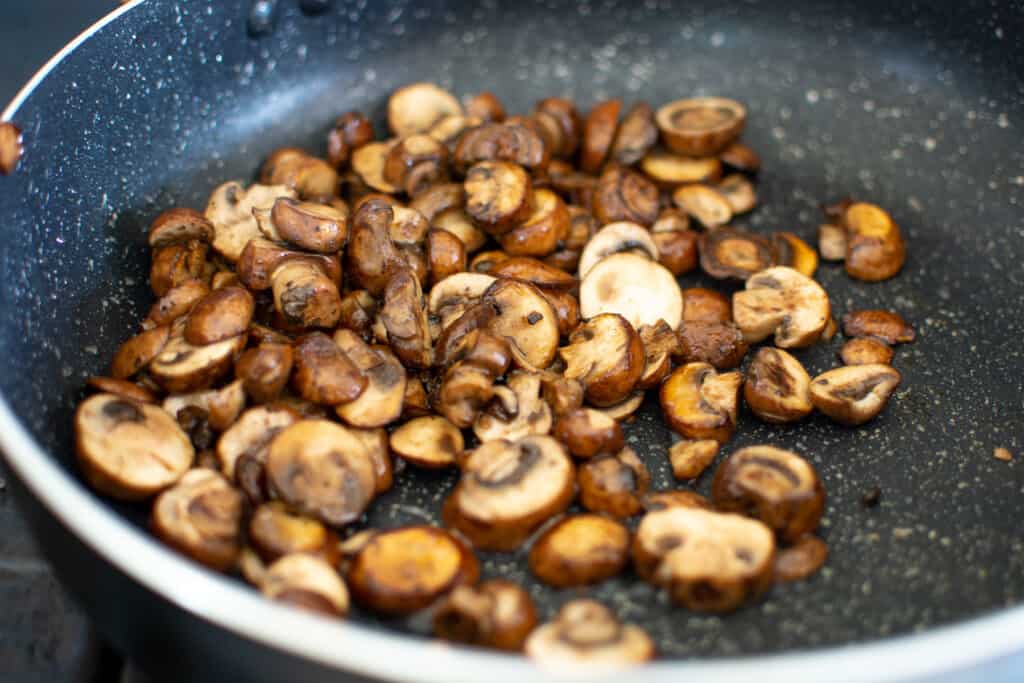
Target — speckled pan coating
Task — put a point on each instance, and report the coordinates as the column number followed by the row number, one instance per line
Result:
column 918, row 107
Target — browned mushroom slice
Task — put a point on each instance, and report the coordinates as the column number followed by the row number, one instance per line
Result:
column 139, row 351
column 614, row 238
column 773, row 485
column 261, row 258
column 381, row 402
column 417, row 107
column 525, row 320
column 625, row 195
column 176, row 303
column 782, row 301
column 699, row 403
column 689, row 459
column 405, row 318
column 498, row 195
column 670, row 170
column 181, row 367
column 614, row 484
column 221, row 314
column 800, row 560
column 129, row 450
column 265, row 370
column 547, row 223
column 742, row 158
column 376, row 443
column 706, row 305
column 885, row 325
column 351, row 130
column 513, row 143
column 371, row 256
column 832, row 242
column 875, row 249
column 662, row 500
column 321, row 469
column 176, row 264
column 792, row 251
column 324, row 373
column 497, row 614
column 587, row 432
column 465, row 390
column 310, row 226
column 720, row 344
column 738, row 192
column 706, row 204
column 486, row 106
column 866, row 351
column 403, row 570
column 230, row 210
column 641, row 291
column 431, row 441
column 122, row 388
column 457, row 222
column 708, row 561
column 607, row 355
column 580, row 550
column 586, row 633
column 677, row 251
column 701, row 126
column 624, row 408
column 777, row 388
column 515, row 411
column 222, row 406
column 307, row 582
column 249, row 438
column 311, row 177
column 535, row 272
column 416, row 162
column 304, row 294
column 563, row 395
column 564, row 111
column 275, row 531
column 368, row 163
column 11, row 147
column 452, row 297
column 598, row 134
column 635, row 136
column 438, row 199
column 509, row 488
column 660, row 344
column 358, row 312
column 854, row 394
column 446, row 254
column 179, row 225
column 201, row 516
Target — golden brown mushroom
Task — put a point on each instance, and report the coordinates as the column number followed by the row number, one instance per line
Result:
column 865, row 351
column 874, row 248
column 782, row 301
column 351, row 130
column 884, row 325
column 660, row 344
column 607, row 355
column 625, row 195
column 230, row 210
column 324, row 373
column 539, row 234
column 525, row 320
column 580, row 550
column 139, row 351
column 181, row 367
column 265, row 370
column 510, row 142
column 275, row 531
column 792, row 251
column 635, row 135
column 669, row 170
column 586, row 432
column 689, row 458
column 497, row 614
column 777, row 388
column 801, row 559
column 310, row 176
column 854, row 394
column 719, row 343
column 598, row 134
column 614, row 484
column 701, row 126
column 498, row 195
column 404, row 316
column 201, row 516
column 430, row 441
column 585, row 633
column 221, row 314
column 307, row 582
column 516, row 410
column 729, row 253
column 417, row 107
column 307, row 225
column 245, row 443
column 699, row 403
column 380, row 403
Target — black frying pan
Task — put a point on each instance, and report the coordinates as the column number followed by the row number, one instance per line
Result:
column 917, row 107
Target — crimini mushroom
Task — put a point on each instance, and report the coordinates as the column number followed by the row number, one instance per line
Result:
column 230, row 210
column 708, row 561
column 701, row 126
column 458, row 222
column 700, row 403
column 689, row 458
column 706, row 305
column 403, row 570
column 416, row 162
column 321, row 469
column 641, row 291
column 430, row 441
column 580, row 550
column 884, row 325
column 625, row 408
column 261, row 258
column 832, row 242
column 801, row 559
column 508, row 488
column 175, row 303
column 660, row 344
column 777, row 388
column 221, row 314
column 446, row 254
column 607, row 356
column 874, row 244
column 662, row 500
column 307, row 225
column 324, row 373
column 351, row 130
column 719, row 343
column 782, row 301
column 598, row 134
column 669, row 170
column 708, row 205
column 514, row 143
column 176, row 264
column 563, row 111
column 264, row 370
column 275, row 531
column 404, row 316
column 181, row 367
column 854, row 394
column 454, row 295
column 866, row 351
column 201, row 516
column 773, row 485
column 497, row 614
column 129, row 450
column 563, row 395
column 242, row 449
column 485, row 106
column 730, row 253
column 625, row 195
column 368, row 166
column 740, row 157
column 358, row 313
column 515, row 411
column 139, row 351
column 677, row 249
column 792, row 251
column 305, row 295
column 498, row 195
column 307, row 582
column 614, row 483
column 222, row 406
column 380, row 403
column 539, row 234
column 310, row 176
column 525, row 320
column 375, row 441
column 417, row 107
column 537, row 273
column 621, row 236
column 586, row 633
column 635, row 136
column 586, row 432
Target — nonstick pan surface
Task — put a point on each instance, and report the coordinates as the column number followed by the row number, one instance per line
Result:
column 916, row 107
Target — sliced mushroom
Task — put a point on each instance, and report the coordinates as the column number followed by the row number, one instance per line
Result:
column 416, row 162
column 324, row 373
column 498, row 195
column 738, row 192
column 457, row 222
column 200, row 516
column 546, row 125
column 598, row 134
column 670, row 170
column 584, row 632
column 129, row 450
column 358, row 312
column 587, row 432
column 706, row 305
column 535, row 272
column 625, row 408
column 417, row 107
column 121, row 388
column 431, row 441
column 800, row 560
column 179, row 225
column 635, row 136
column 368, row 164
column 700, row 403
column 310, row 176
column 221, row 314
column 782, row 301
column 181, row 367
column 465, row 390
column 307, row 582
column 261, row 258
column 854, row 394
column 885, row 325
column 614, row 484
column 625, row 195
column 563, row 395
column 446, row 254
column 874, row 249
column 497, row 614
column 221, row 406
column 701, row 126
column 525, row 320
column 275, row 531
column 708, row 561
column 730, row 253
column 516, row 410
column 866, row 351
column 709, row 206
column 175, row 303
column 641, row 291
column 742, row 158
column 351, row 130
column 249, row 438
column 139, row 351
column 773, row 485
column 381, row 401
column 508, row 489
column 405, row 318
column 176, row 264
column 403, row 570
column 375, row 441
column 547, row 223
column 660, row 344
column 222, row 279
column 564, row 111
column 792, row 251
column 662, row 500
column 305, row 295
column 454, row 295
column 677, row 251
column 509, row 142
column 720, row 344
column 486, row 106
column 832, row 242
column 614, row 238
column 607, row 355
column 310, row 226
column 321, row 469
column 777, row 388
column 371, row 256
column 230, row 210
column 689, row 458
column 580, row 550
column 265, row 370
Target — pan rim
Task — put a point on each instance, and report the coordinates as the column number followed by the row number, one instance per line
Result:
column 351, row 647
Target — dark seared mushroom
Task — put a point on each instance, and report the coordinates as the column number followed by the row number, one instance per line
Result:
column 635, row 136
column 245, row 443
column 587, row 432
column 404, row 316
column 176, row 264
column 498, row 195
column 458, row 222
column 516, row 410
column 585, row 633
column 625, row 195
column 525, row 320
column 417, row 107
column 305, row 295
column 607, row 355
column 689, row 458
column 563, row 395
column 416, row 162
column 677, row 250
column 452, row 297
column 785, row 302
column 430, row 441
column 701, row 126
column 465, row 390
column 614, row 484
column 539, row 234
column 854, row 394
column 358, row 312
column 614, row 238
column 719, row 343
column 380, row 403
column 792, row 251
column 866, row 351
column 874, row 244
column 497, row 614
column 139, row 351
column 731, row 253
column 669, row 170
column 535, row 272
column 230, row 210
column 403, row 570
column 580, row 550
column 310, row 226
column 351, row 130
column 598, row 134
column 371, row 257
column 641, row 291
column 512, row 143
column 129, row 450
column 175, row 303
column 307, row 582
column 261, row 258
column 564, row 111
column 777, row 388
column 773, row 485
column 324, row 373
column 446, row 254
column 201, row 516
column 884, row 325
column 181, row 367
column 275, row 531
column 264, row 371
column 179, row 225
column 801, row 559
column 221, row 314
column 700, row 403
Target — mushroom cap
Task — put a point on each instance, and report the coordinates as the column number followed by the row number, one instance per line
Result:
column 701, row 126
column 418, row 107
column 230, row 210
column 525, row 320
column 527, row 413
column 614, row 238
column 201, row 516
column 854, row 394
column 777, row 388
column 607, row 355
column 585, row 633
column 785, row 302
column 380, row 403
column 579, row 550
column 640, row 290
column 251, row 435
column 308, row 582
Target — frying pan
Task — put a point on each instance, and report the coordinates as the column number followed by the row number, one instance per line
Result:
column 914, row 106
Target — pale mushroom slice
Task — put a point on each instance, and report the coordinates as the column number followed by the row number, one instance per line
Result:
column 580, row 550
column 508, row 489
column 606, row 354
column 222, row 406
column 230, row 210
column 773, row 485
column 525, row 320
column 832, row 242
column 671, row 170
column 854, row 394
column 181, row 367
column 431, row 441
column 782, row 301
column 516, row 410
column 380, row 403
column 250, row 436
column 638, row 289
column 689, row 458
column 322, row 470
column 201, row 517
column 129, row 450
column 307, row 582
column 452, row 296
column 614, row 238
column 497, row 614
column 777, row 388
column 708, row 205
column 708, row 561
column 586, row 633
column 700, row 403
column 368, row 163
column 418, row 107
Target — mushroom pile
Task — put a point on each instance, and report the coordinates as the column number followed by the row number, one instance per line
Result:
column 494, row 294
